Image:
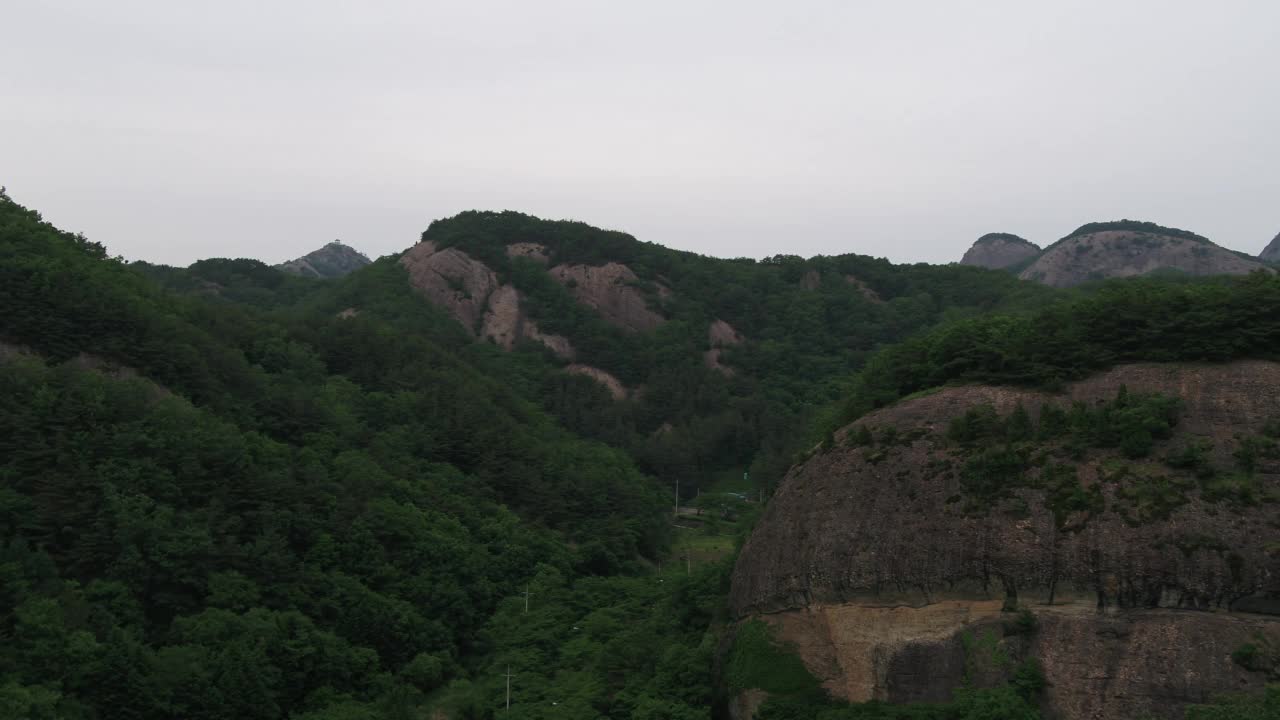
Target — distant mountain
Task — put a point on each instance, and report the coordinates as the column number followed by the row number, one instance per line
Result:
column 1128, row 248
column 331, row 261
column 999, row 251
column 1272, row 251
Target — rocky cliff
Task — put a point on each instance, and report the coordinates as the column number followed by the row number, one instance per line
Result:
column 614, row 291
column 1127, row 249
column 998, row 251
column 331, row 261
column 887, row 552
column 1271, row 253
column 492, row 310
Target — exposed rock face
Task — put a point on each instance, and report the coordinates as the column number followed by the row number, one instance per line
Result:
column 998, row 251
column 868, row 564
column 533, row 251
column 1272, row 252
column 331, row 261
column 613, row 384
column 451, row 279
column 505, row 324
column 863, row 288
column 610, row 290
column 720, row 335
column 469, row 290
column 1126, row 253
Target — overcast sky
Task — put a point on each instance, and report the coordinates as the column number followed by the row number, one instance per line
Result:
column 172, row 130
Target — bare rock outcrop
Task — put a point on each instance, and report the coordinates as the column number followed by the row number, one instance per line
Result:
column 1127, row 253
column 866, row 290
column 470, row 291
column 869, row 563
column 331, row 261
column 451, row 279
column 611, row 290
column 720, row 335
column 505, row 323
column 533, row 251
column 1271, row 253
column 611, row 383
column 998, row 251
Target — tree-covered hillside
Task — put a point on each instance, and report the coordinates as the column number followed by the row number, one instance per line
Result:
column 209, row 511
column 806, row 324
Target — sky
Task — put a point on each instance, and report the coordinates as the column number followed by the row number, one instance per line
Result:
column 172, row 131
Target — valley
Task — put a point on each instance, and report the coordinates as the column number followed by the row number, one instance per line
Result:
column 1035, row 484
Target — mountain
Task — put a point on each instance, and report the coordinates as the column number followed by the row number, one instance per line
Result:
column 999, row 251
column 1271, row 253
column 331, row 261
column 703, row 368
column 414, row 491
column 983, row 524
column 1127, row 248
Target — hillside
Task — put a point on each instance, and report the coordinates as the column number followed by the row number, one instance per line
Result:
column 215, row 511
column 232, row 492
column 1031, row 530
column 1000, row 251
column 331, row 261
column 701, row 367
column 1100, row 251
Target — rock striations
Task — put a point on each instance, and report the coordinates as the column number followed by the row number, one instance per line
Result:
column 998, row 251
column 872, row 563
column 331, row 261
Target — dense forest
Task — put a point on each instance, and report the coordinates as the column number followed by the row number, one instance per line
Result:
column 221, row 498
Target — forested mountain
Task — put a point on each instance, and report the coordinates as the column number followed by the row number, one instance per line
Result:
column 232, row 492
column 703, row 368
column 211, row 511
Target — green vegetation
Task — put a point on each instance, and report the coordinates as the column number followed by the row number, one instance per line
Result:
column 1266, row 707
column 756, row 661
column 1135, row 320
column 809, row 325
column 1010, row 237
column 222, row 496
column 1138, row 226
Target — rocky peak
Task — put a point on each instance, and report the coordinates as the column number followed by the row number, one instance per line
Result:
column 331, row 261
column 998, row 251
column 1125, row 248
column 1272, row 252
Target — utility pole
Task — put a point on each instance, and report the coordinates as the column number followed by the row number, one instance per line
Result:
column 526, row 594
column 508, row 688
column 676, row 514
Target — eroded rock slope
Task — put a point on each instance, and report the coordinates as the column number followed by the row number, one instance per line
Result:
column 880, row 555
